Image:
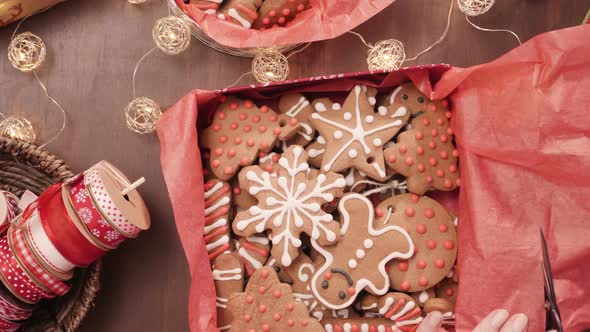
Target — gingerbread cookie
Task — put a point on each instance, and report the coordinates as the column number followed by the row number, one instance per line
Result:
column 268, row 305
column 447, row 289
column 357, row 261
column 253, row 251
column 289, row 202
column 295, row 107
column 438, row 304
column 238, row 132
column 278, row 12
column 426, row 153
column 434, row 236
column 207, row 6
column 423, row 296
column 217, row 230
column 269, row 162
column 397, row 307
column 316, row 149
column 241, row 198
column 242, row 12
column 355, row 136
column 368, row 325
column 228, row 276
column 371, row 93
column 405, row 101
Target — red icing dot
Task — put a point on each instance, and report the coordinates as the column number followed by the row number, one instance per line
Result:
column 244, row 161
column 265, row 328
column 223, row 139
column 276, row 317
column 256, row 118
column 247, row 318
column 264, row 145
column 231, row 153
column 410, row 212
column 426, row 122
column 286, row 11
column 351, row 290
column 431, row 244
column 272, row 13
column 262, row 308
column 452, row 168
column 423, row 281
column 219, row 151
column 419, row 135
column 293, row 122
column 432, row 145
column 237, row 190
column 443, row 228
column 448, row 114
column 261, row 154
column 221, row 116
column 449, row 131
column 275, row 158
column 432, row 108
column 421, row 264
column 327, row 275
column 440, row 173
column 261, row 289
column 228, row 170
column 444, row 154
column 262, row 129
column 233, row 106
column 445, row 102
column 264, row 109
column 440, row 121
column 264, row 274
column 429, row 179
column 237, row 140
column 215, row 163
column 420, row 167
column 248, row 104
column 273, row 118
column 269, row 168
column 434, row 132
column 448, row 183
column 402, row 266
column 403, row 149
column 247, row 128
column 421, row 228
column 379, row 212
column 250, row 142
column 290, row 322
column 405, row 286
column 439, row 262
column 458, row 182
column 449, row 244
column 409, row 161
column 243, row 116
column 304, row 322
column 276, row 294
column 429, row 213
column 276, row 131
column 391, row 158
column 234, row 126
column 216, row 127
column 415, row 198
column 290, row 307
column 266, row 20
column 282, row 20
column 444, row 138
column 449, row 292
column 455, row 153
column 300, row 7
column 420, row 150
column 432, row 161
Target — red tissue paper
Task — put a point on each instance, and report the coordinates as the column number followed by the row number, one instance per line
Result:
column 522, row 129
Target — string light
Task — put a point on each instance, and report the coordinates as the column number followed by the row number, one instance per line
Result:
column 474, row 7
column 142, row 115
column 270, row 66
column 172, row 35
column 19, row 128
column 26, row 52
column 386, row 55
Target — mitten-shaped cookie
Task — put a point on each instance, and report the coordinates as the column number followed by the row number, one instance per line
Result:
column 228, row 277
column 217, row 230
column 289, row 202
column 404, row 101
column 268, row 305
column 426, row 153
column 242, row 12
column 238, row 132
column 295, row 107
column 355, row 136
column 278, row 12
column 254, row 251
column 397, row 307
column 357, row 261
column 434, row 236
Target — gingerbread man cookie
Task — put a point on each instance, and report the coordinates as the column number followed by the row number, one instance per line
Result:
column 355, row 136
column 295, row 107
column 268, row 305
column 228, row 276
column 278, row 12
column 238, row 132
column 242, row 12
column 426, row 153
column 434, row 236
column 253, row 251
column 217, row 230
column 397, row 307
column 289, row 202
column 358, row 260
column 405, row 101
column 368, row 325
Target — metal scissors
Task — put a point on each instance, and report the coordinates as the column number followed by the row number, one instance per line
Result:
column 553, row 315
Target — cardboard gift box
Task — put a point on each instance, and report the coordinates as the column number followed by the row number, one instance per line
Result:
column 522, row 128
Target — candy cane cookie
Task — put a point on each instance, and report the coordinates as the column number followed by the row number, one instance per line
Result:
column 217, row 230
column 228, row 276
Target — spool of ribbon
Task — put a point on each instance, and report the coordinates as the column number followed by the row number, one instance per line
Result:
column 100, row 228
column 8, row 209
column 28, row 262
column 13, row 309
column 124, row 209
column 16, row 280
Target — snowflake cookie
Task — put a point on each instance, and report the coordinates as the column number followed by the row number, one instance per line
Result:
column 355, row 136
column 289, row 203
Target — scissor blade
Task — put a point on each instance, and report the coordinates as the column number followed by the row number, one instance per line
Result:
column 549, row 288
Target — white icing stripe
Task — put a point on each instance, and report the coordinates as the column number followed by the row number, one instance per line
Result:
column 218, row 204
column 409, row 306
column 410, row 322
column 223, row 240
column 401, row 111
column 224, row 275
column 219, row 223
column 213, row 189
column 328, row 328
column 258, row 239
column 394, row 94
column 224, row 328
column 302, row 275
column 244, row 253
column 379, row 170
column 373, row 305
column 220, row 302
column 423, row 297
column 364, row 327
column 296, row 109
column 388, row 302
column 234, row 14
column 313, row 153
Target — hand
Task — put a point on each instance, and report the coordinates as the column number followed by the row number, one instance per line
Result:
column 497, row 321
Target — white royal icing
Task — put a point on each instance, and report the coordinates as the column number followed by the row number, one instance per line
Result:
column 224, row 275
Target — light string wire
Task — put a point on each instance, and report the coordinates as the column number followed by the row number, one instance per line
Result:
column 493, row 30
column 43, row 86
column 137, row 67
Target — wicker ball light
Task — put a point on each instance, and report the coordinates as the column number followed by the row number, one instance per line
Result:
column 387, row 54
column 142, row 115
column 270, row 66
column 19, row 128
column 474, row 7
column 171, row 35
column 26, row 52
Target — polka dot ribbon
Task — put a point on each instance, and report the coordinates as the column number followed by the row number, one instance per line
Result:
column 100, row 227
column 8, row 326
column 106, row 205
column 10, row 311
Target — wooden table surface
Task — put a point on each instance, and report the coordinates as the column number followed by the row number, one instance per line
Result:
column 92, row 49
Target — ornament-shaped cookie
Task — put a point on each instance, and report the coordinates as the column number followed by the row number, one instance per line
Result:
column 268, row 305
column 426, row 153
column 397, row 307
column 253, row 251
column 241, row 12
column 228, row 276
column 434, row 236
column 296, row 106
column 217, row 232
column 355, row 136
column 278, row 12
column 289, row 202
column 239, row 131
column 357, row 261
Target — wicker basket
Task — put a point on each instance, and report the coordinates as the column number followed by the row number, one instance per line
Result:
column 25, row 166
column 198, row 32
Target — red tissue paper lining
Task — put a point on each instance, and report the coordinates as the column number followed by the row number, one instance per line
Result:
column 326, row 19
column 522, row 128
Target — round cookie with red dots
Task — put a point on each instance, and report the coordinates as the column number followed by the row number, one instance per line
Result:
column 426, row 154
column 433, row 234
column 274, row 13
